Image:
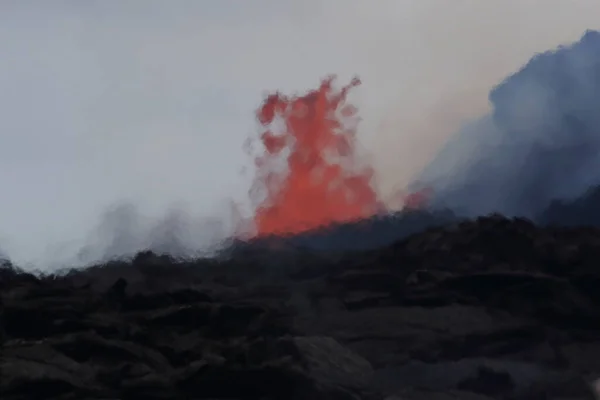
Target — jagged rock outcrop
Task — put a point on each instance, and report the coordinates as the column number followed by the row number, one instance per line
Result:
column 485, row 309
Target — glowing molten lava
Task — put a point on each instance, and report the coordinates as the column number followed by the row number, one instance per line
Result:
column 322, row 183
column 309, row 175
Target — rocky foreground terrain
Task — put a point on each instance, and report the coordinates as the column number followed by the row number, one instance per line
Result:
column 486, row 309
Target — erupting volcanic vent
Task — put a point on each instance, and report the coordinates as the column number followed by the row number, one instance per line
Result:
column 324, row 182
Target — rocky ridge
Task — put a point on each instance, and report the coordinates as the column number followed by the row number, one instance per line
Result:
column 492, row 308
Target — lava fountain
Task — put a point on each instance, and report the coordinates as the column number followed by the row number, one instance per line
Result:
column 310, row 174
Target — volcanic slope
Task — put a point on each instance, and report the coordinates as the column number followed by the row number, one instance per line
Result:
column 491, row 308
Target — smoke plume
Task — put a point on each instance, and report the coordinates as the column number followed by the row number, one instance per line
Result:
column 151, row 101
column 541, row 141
column 124, row 230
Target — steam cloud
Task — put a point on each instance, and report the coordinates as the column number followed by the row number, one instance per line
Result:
column 138, row 101
column 541, row 141
column 124, row 230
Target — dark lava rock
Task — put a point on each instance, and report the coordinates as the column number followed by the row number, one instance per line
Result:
column 492, row 308
column 580, row 211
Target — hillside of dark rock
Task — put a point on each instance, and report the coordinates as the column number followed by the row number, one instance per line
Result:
column 491, row 308
column 582, row 210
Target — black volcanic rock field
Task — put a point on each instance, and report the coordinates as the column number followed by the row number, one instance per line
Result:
column 491, row 308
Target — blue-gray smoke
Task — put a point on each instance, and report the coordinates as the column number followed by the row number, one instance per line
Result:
column 540, row 142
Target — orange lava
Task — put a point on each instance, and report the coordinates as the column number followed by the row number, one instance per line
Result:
column 322, row 181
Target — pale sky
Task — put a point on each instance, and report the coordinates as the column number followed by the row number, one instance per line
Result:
column 150, row 101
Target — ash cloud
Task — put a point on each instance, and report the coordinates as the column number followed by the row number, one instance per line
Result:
column 125, row 230
column 540, row 142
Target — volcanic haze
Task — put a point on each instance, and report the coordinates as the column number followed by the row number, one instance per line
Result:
column 149, row 102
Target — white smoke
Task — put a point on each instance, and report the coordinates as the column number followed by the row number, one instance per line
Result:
column 150, row 102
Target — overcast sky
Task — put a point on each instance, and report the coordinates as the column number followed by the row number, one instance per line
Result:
column 150, row 101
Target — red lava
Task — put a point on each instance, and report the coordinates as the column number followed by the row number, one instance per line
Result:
column 322, row 181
